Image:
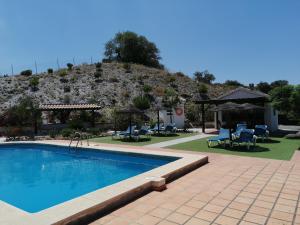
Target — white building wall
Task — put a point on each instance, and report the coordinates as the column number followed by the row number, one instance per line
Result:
column 271, row 117
column 178, row 119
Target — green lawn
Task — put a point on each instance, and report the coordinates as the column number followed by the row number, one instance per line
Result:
column 274, row 148
column 142, row 141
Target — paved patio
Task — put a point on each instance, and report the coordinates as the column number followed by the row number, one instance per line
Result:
column 229, row 190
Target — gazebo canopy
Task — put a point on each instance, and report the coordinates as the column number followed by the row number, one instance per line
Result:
column 231, row 106
column 238, row 95
column 130, row 110
column 62, row 107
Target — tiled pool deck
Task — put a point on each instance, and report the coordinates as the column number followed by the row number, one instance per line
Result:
column 229, row 190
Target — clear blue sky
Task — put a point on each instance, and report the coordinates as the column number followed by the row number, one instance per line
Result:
column 247, row 40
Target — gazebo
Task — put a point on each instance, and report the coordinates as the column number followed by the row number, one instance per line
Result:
column 64, row 109
column 243, row 98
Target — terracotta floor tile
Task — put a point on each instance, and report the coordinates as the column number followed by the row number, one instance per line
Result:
column 195, row 221
column 165, row 222
column 178, row 218
column 263, row 204
column 225, row 220
column 233, row 213
column 195, row 204
column 119, row 221
column 105, row 219
column 282, row 215
column 259, row 211
column 206, row 215
column 287, row 202
column 220, row 202
column 239, row 206
column 250, row 217
column 170, row 205
column 213, row 208
column 273, row 221
column 284, row 208
column 148, row 220
column 160, row 212
column 187, row 210
column 246, row 223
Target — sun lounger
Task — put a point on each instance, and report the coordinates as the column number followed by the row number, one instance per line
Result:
column 246, row 136
column 170, row 129
column 261, row 131
column 155, row 128
column 221, row 138
column 239, row 128
column 123, row 134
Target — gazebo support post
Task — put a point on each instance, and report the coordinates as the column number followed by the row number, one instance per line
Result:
column 130, row 119
column 93, row 118
column 203, row 118
column 158, row 125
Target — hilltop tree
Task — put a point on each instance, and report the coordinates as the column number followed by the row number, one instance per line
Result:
column 279, row 83
column 205, row 77
column 280, row 97
column 129, row 47
column 233, row 83
column 295, row 102
column 264, row 87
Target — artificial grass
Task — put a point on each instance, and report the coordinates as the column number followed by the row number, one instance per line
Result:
column 274, row 148
column 143, row 140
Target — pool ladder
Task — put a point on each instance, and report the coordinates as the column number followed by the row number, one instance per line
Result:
column 78, row 137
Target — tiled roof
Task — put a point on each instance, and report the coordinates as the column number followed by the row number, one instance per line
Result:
column 69, row 107
column 242, row 93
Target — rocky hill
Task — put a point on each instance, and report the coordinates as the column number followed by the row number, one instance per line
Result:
column 117, row 84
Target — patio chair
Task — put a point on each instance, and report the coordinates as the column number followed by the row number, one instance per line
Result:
column 261, row 131
column 246, row 136
column 239, row 128
column 221, row 138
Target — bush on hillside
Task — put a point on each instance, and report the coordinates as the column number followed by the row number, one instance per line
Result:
column 26, row 72
column 141, row 102
column 70, row 66
column 50, row 71
column 34, row 82
column 63, row 73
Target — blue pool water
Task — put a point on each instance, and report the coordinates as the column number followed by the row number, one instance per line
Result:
column 34, row 177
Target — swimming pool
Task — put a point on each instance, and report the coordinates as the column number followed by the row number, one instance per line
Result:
column 35, row 177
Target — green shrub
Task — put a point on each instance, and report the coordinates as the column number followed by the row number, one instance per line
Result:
column 70, row 66
column 50, row 71
column 67, row 89
column 147, row 88
column 127, row 67
column 63, row 73
column 202, row 89
column 26, row 73
column 94, row 131
column 97, row 74
column 98, row 65
column 141, row 102
column 113, row 80
column 34, row 82
column 52, row 133
column 67, row 132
